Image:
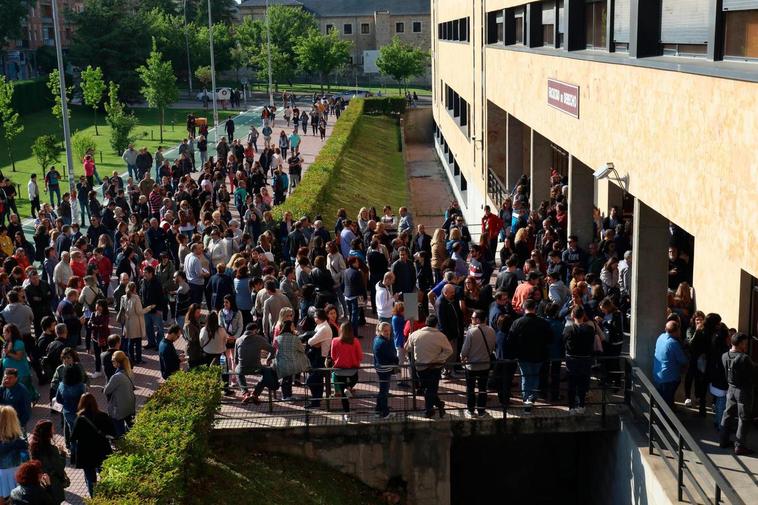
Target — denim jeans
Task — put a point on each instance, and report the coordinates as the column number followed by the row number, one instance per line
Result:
column 55, row 190
column 341, row 383
column 578, row 380
column 154, row 326
column 430, row 381
column 197, row 291
column 382, row 406
column 530, row 379
column 84, row 212
column 476, row 380
column 268, row 380
column 90, row 477
column 668, row 390
column 719, row 406
column 354, row 311
column 132, row 170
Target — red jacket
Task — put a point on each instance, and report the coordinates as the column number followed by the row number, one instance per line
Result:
column 491, row 225
column 89, row 167
column 346, row 355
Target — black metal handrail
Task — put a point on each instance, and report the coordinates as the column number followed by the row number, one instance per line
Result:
column 667, row 433
column 495, row 188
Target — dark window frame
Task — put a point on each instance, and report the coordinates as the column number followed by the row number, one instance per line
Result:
column 399, row 27
column 367, row 27
column 345, row 28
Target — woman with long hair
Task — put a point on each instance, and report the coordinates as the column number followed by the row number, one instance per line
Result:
column 213, row 342
column 15, row 356
column 70, row 389
column 191, row 335
column 134, row 322
column 51, row 457
column 347, row 354
column 13, row 449
column 439, row 253
column 120, row 394
column 289, row 358
column 91, row 431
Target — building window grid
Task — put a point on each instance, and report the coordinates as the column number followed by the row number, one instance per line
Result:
column 741, row 35
column 417, row 27
column 365, row 28
column 400, row 27
column 347, row 29
column 456, row 30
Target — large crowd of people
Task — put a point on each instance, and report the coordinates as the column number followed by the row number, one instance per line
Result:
column 196, row 255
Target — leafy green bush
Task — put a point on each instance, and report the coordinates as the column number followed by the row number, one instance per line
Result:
column 308, row 197
column 81, row 142
column 167, row 444
column 387, row 105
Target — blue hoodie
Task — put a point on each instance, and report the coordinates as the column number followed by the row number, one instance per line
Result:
column 385, row 358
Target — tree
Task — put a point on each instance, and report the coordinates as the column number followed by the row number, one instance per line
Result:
column 10, row 121
column 121, row 122
column 45, row 149
column 159, row 81
column 401, row 61
column 54, row 85
column 93, row 88
column 288, row 25
column 203, row 74
column 222, row 11
column 14, row 12
column 322, row 53
column 81, row 142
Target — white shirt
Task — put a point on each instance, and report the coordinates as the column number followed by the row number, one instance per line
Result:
column 323, row 336
column 384, row 301
column 32, row 189
column 62, row 274
column 215, row 346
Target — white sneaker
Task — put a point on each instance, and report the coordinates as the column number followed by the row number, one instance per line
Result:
column 346, row 418
column 528, row 401
column 348, row 393
column 580, row 411
column 97, row 375
column 687, row 402
column 468, row 414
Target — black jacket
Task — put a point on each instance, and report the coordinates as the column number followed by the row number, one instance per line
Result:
column 151, row 293
column 92, row 446
column 579, row 340
column 450, row 318
column 531, row 335
column 425, row 244
column 353, row 280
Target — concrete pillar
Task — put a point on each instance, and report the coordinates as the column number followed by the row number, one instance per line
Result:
column 580, row 201
column 497, row 154
column 514, row 151
column 608, row 194
column 649, row 282
column 541, row 162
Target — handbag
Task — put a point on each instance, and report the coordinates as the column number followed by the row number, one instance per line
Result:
column 121, row 314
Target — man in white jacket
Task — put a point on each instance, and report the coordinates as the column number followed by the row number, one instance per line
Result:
column 385, row 300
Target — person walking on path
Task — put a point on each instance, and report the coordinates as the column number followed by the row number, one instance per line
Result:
column 668, row 362
column 740, row 374
column 476, row 354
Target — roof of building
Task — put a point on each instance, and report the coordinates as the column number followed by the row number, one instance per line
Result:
column 331, row 8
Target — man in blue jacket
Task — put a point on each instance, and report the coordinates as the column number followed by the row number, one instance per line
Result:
column 169, row 358
column 668, row 362
column 16, row 395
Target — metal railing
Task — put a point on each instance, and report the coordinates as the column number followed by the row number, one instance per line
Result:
column 679, row 451
column 496, row 189
column 606, row 388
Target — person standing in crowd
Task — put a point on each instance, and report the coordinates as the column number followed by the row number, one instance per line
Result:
column 531, row 336
column 450, row 321
column 386, row 363
column 429, row 349
column 578, row 340
column 32, row 190
column 93, row 430
column 476, row 354
column 134, row 322
column 51, row 457
column 740, row 375
column 347, row 354
column 14, row 449
column 169, row 358
column 668, row 362
column 120, row 394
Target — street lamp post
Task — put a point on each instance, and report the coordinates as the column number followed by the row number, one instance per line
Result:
column 268, row 45
column 64, row 106
column 186, row 42
column 213, row 75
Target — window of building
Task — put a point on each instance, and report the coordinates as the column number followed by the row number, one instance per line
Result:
column 329, row 28
column 741, row 34
column 399, row 27
column 417, row 27
column 347, row 29
column 463, row 31
column 560, row 23
column 365, row 28
column 495, row 27
column 548, row 24
column 685, row 27
column 456, row 30
column 621, row 15
column 520, row 28
column 596, row 23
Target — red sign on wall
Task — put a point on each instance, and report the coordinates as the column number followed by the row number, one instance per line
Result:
column 563, row 96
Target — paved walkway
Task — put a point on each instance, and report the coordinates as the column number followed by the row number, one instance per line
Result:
column 147, row 376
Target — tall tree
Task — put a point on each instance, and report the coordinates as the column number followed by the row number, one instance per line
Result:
column 54, row 85
column 45, row 149
column 169, row 7
column 203, row 74
column 401, row 61
column 288, row 26
column 222, row 11
column 159, row 83
column 322, row 53
column 93, row 88
column 14, row 12
column 10, row 121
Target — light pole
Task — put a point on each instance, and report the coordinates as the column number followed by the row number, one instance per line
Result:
column 268, row 45
column 64, row 106
column 186, row 42
column 213, row 75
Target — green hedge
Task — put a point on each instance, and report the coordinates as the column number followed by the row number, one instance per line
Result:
column 31, row 96
column 385, row 105
column 309, row 195
column 166, row 446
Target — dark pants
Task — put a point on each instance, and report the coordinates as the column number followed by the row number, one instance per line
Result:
column 699, row 379
column 36, row 207
column 286, row 387
column 667, row 390
column 268, row 380
column 550, row 379
column 342, row 383
column 738, row 410
column 135, row 350
column 504, row 373
column 430, row 381
column 90, row 477
column 196, row 293
column 96, row 349
column 121, row 426
column 315, row 380
column 476, row 380
column 578, row 380
column 354, row 313
column 382, row 406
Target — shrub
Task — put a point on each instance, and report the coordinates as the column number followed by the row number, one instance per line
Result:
column 81, row 142
column 387, row 105
column 167, row 444
column 46, row 149
column 309, row 195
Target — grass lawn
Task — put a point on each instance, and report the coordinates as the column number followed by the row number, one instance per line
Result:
column 372, row 172
column 239, row 476
column 388, row 90
column 43, row 123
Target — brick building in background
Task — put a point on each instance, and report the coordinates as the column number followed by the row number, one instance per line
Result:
column 18, row 59
column 368, row 24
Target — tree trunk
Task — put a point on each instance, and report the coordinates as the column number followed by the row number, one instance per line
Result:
column 10, row 156
column 161, row 127
column 322, row 81
column 95, row 111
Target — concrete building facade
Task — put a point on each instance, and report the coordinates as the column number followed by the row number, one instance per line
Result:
column 668, row 95
column 18, row 57
column 369, row 25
